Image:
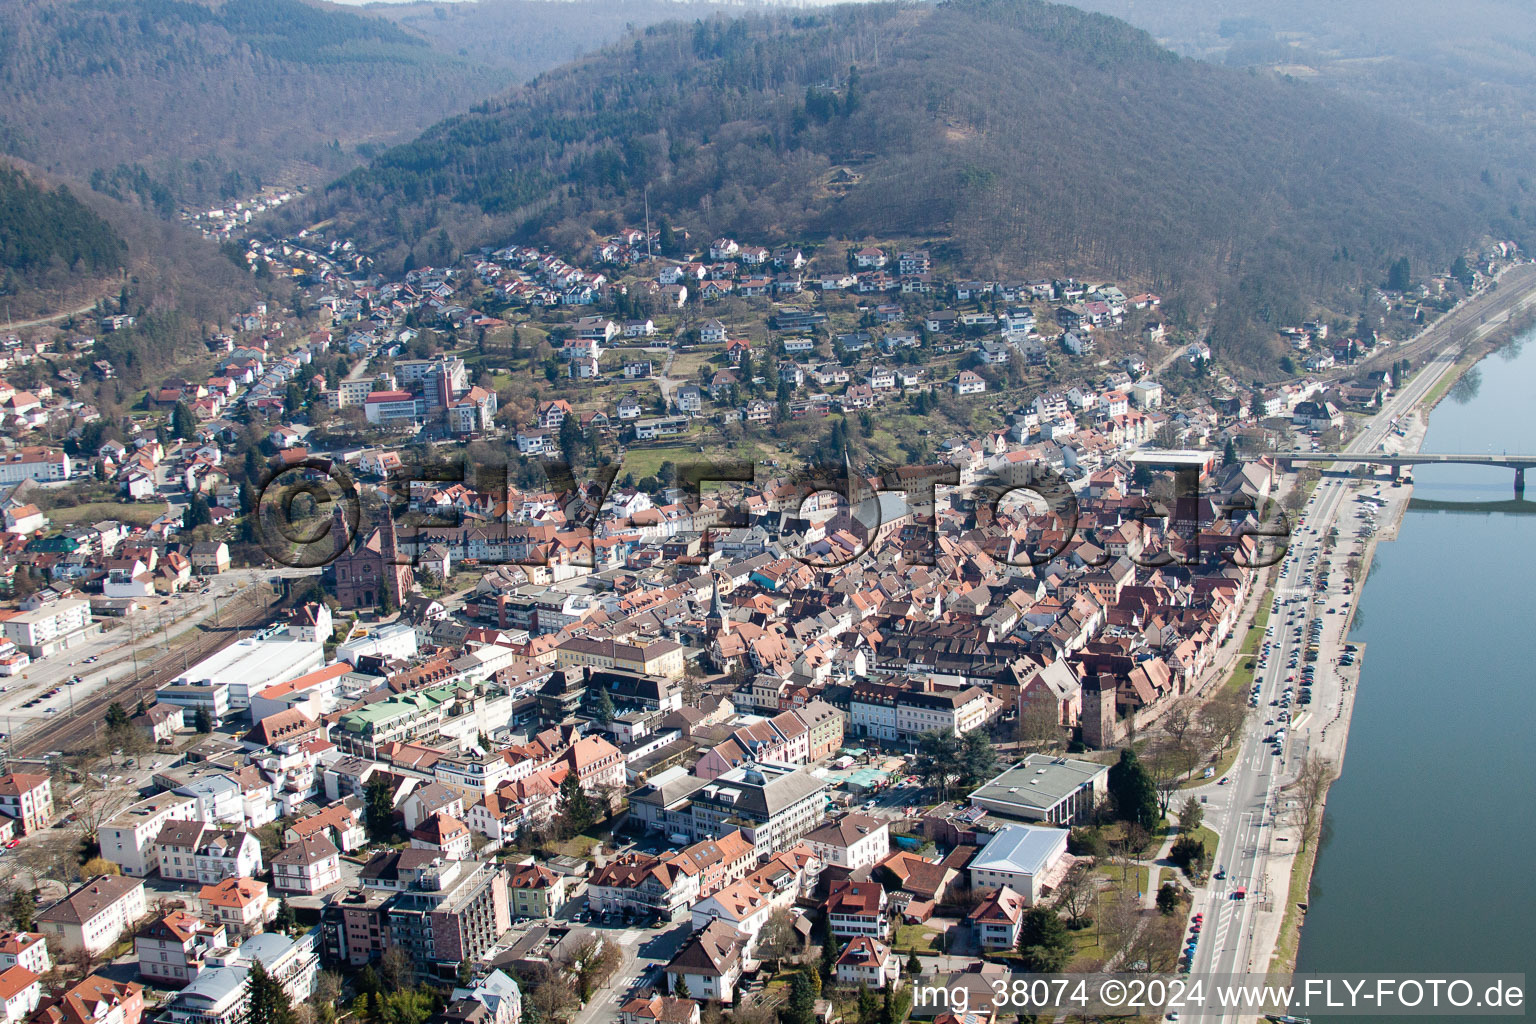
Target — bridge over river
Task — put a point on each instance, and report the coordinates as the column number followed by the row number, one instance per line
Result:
column 1518, row 463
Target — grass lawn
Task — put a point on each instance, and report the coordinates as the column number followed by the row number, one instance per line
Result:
column 1208, row 839
column 1087, row 951
column 686, row 365
column 644, row 462
column 1115, row 830
column 1451, row 377
column 916, row 936
column 1297, row 894
column 579, row 846
column 95, row 511
column 1223, row 765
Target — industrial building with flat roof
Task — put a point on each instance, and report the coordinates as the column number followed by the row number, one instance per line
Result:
column 1056, row 790
column 224, row 682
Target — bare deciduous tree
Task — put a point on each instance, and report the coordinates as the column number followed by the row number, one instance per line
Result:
column 1039, row 725
column 1077, row 891
column 1310, row 786
column 1221, row 719
column 778, row 938
column 550, row 993
column 1178, row 720
column 1162, row 766
column 96, row 805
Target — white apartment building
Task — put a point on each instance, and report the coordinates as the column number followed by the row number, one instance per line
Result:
column 853, row 841
column 51, row 628
column 960, row 711
column 128, row 840
column 96, row 915
column 41, row 464
column 307, row 866
column 25, row 949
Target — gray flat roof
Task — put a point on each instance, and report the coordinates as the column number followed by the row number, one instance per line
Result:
column 1039, row 782
column 1025, row 849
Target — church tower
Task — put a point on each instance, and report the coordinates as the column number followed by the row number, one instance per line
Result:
column 395, row 570
column 339, row 537
column 717, row 621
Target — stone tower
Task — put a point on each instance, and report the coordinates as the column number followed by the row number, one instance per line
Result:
column 1100, row 727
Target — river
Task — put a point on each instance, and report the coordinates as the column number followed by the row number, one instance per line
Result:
column 1426, row 858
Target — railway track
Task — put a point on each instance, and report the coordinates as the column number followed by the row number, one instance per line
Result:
column 1457, row 327
column 78, row 729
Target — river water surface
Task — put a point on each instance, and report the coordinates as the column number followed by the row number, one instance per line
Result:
column 1430, row 835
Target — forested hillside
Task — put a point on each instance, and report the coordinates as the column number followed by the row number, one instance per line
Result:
column 47, row 233
column 1032, row 136
column 171, row 100
column 1468, row 68
column 63, row 247
column 525, row 37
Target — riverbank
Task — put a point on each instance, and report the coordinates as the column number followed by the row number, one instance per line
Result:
column 1519, row 321
column 1442, row 717
column 1290, row 871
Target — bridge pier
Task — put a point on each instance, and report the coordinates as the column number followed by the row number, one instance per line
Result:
column 1519, row 481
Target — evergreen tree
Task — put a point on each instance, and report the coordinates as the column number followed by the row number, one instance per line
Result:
column 116, row 716
column 197, row 513
column 868, row 1007
column 575, row 804
column 680, row 987
column 1229, row 453
column 253, row 467
column 602, row 707
column 570, row 439
column 1131, row 789
column 268, row 1003
column 23, row 909
column 914, row 965
column 801, row 1008
column 828, row 965
column 202, row 722
column 378, row 809
column 287, row 920
column 1191, row 815
column 978, row 758
column 1043, row 941
column 183, row 423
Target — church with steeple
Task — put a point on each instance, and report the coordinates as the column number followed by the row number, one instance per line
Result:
column 369, row 570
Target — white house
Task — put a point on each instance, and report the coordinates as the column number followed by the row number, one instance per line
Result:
column 853, row 841
column 20, row 992
column 867, row 961
column 307, row 866
column 96, row 915
column 969, row 382
column 1019, row 857
column 740, row 905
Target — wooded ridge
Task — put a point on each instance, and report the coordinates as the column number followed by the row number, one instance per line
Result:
column 1029, row 136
